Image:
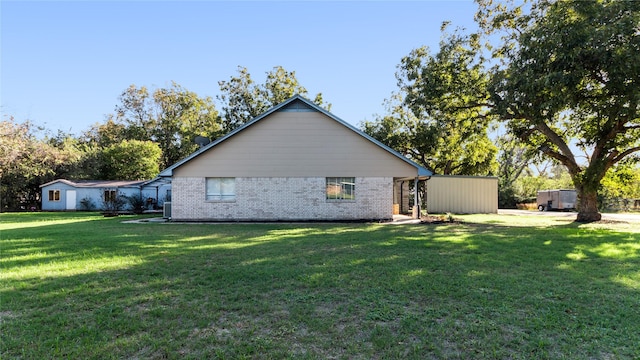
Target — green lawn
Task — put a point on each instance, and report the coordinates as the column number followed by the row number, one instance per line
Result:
column 495, row 287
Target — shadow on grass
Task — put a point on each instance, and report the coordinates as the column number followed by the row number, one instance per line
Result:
column 106, row 289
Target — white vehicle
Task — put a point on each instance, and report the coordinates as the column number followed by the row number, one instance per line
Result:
column 556, row 200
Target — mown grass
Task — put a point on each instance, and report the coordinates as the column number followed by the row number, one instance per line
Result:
column 495, row 287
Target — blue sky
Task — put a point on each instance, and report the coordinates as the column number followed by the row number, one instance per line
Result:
column 64, row 64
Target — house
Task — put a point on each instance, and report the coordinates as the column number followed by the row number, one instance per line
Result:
column 295, row 162
column 66, row 195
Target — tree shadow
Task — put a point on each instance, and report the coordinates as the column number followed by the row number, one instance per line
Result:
column 319, row 290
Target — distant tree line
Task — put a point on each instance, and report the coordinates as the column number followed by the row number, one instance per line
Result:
column 561, row 85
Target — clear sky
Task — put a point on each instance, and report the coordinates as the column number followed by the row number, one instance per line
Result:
column 64, row 64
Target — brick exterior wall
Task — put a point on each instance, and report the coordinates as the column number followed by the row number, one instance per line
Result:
column 282, row 199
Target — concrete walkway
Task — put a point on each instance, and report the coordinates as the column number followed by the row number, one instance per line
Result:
column 146, row 220
column 403, row 219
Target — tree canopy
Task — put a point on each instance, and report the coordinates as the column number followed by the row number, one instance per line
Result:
column 437, row 117
column 27, row 161
column 131, row 160
column 171, row 117
column 243, row 99
column 569, row 79
column 563, row 78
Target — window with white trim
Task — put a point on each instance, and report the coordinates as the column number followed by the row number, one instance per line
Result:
column 54, row 195
column 221, row 189
column 341, row 188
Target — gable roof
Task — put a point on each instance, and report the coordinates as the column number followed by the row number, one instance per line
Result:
column 156, row 181
column 295, row 103
column 96, row 183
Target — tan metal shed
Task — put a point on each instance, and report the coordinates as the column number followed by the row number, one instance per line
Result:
column 462, row 194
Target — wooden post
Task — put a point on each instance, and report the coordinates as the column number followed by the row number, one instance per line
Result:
column 416, row 206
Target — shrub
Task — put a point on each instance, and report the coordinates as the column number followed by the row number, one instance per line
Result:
column 87, row 204
column 137, row 203
column 113, row 203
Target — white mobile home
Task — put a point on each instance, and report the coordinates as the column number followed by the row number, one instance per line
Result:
column 67, row 195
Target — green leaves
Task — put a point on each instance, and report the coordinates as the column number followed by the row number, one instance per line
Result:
column 181, row 116
column 564, row 79
column 27, row 161
column 568, row 81
column 243, row 99
column 131, row 160
column 172, row 117
column 440, row 116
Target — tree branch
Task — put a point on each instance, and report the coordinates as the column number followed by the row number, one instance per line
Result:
column 620, row 156
column 565, row 151
column 571, row 166
column 616, row 129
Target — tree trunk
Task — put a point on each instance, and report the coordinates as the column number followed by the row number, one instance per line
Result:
column 588, row 205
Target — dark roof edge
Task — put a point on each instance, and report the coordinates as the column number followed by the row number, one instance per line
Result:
column 466, row 176
column 100, row 183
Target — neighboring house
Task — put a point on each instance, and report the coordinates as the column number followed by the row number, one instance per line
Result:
column 296, row 162
column 66, row 195
column 157, row 191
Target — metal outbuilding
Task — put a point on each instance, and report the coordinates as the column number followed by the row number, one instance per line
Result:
column 462, row 194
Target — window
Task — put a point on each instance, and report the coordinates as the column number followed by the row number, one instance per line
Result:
column 221, row 189
column 109, row 195
column 54, row 195
column 341, row 188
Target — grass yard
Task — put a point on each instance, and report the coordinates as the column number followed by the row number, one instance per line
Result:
column 78, row 285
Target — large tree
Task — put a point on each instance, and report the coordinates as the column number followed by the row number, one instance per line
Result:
column 81, row 159
column 438, row 116
column 130, row 160
column 27, row 160
column 181, row 116
column 568, row 81
column 243, row 99
column 172, row 117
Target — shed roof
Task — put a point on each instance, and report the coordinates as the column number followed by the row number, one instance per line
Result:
column 295, row 103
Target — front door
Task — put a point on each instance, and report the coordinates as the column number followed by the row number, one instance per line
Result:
column 71, row 200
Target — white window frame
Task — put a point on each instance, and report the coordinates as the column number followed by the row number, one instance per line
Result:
column 52, row 195
column 220, row 189
column 340, row 188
